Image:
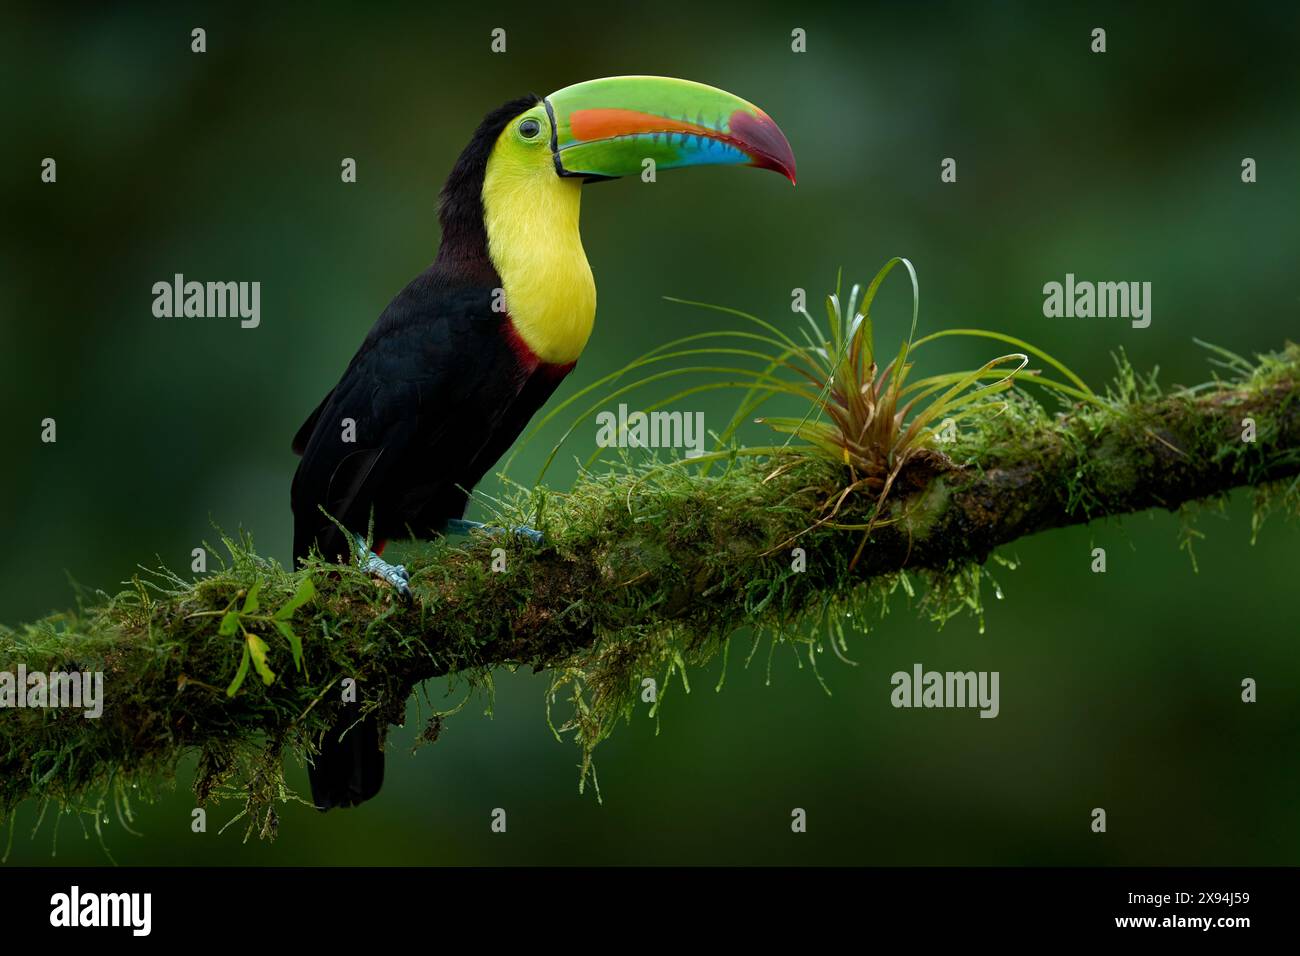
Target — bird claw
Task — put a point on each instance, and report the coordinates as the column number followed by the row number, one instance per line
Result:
column 395, row 574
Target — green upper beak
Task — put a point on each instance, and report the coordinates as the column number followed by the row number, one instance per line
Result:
column 609, row 127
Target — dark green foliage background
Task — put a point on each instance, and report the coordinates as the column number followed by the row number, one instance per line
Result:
column 1118, row 690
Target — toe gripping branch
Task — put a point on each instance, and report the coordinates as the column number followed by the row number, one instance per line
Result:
column 394, row 574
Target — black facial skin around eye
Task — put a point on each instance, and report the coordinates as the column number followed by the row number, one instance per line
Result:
column 530, row 128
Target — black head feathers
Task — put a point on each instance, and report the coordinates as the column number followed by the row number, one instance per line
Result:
column 460, row 207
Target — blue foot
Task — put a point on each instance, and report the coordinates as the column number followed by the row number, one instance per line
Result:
column 394, row 574
column 462, row 526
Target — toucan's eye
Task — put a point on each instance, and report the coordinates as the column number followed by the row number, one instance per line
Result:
column 529, row 128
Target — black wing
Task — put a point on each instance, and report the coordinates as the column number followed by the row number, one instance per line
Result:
column 425, row 393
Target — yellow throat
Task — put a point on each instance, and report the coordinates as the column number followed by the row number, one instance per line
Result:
column 531, row 217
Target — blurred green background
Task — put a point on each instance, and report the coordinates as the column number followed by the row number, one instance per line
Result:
column 1118, row 690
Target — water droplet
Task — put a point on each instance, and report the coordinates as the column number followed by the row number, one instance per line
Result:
column 997, row 592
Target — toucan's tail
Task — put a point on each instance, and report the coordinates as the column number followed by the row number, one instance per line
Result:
column 350, row 771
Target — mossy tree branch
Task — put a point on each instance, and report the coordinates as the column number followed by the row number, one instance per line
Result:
column 643, row 571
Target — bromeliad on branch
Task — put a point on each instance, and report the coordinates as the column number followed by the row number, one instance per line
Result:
column 878, row 421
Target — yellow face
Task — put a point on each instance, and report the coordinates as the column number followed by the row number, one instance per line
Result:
column 531, row 215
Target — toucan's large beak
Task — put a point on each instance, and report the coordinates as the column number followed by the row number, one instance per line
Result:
column 609, row 127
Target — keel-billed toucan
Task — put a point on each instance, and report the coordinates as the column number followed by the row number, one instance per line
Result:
column 465, row 355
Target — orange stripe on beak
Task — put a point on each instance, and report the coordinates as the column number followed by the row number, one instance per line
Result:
column 607, row 123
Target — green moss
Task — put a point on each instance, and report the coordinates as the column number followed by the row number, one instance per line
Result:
column 647, row 571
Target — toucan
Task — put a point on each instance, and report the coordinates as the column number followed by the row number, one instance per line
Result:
column 463, row 357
